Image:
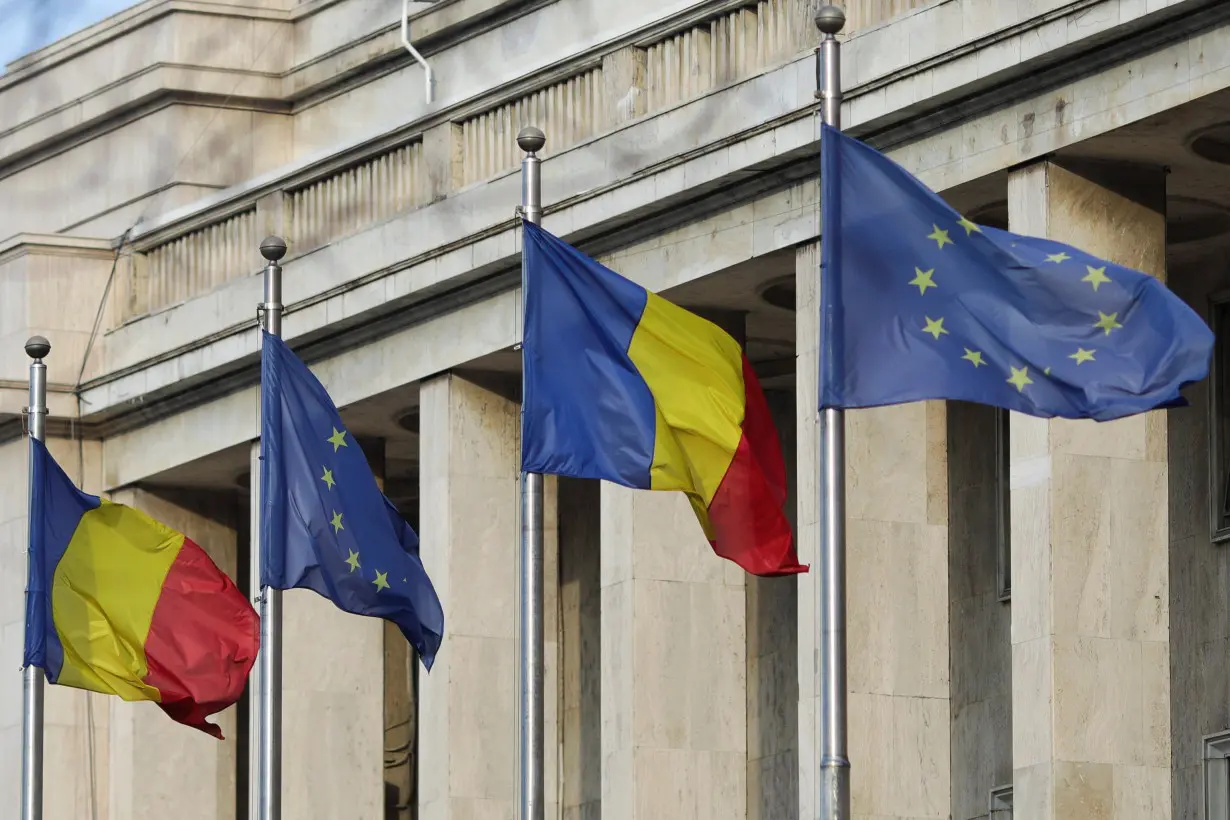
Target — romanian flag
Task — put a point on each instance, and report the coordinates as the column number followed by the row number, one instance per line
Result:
column 120, row 604
column 622, row 385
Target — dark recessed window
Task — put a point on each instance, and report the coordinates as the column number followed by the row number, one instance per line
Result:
column 1003, row 508
column 1001, row 803
column 1219, row 423
column 1217, row 777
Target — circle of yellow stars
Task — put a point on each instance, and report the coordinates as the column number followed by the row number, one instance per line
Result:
column 338, row 440
column 1019, row 378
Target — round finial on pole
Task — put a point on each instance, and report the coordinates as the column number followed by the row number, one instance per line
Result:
column 273, row 248
column 830, row 19
column 531, row 139
column 37, row 347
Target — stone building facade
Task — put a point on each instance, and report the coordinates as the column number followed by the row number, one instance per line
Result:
column 1039, row 623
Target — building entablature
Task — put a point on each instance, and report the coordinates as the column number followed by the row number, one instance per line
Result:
column 443, row 269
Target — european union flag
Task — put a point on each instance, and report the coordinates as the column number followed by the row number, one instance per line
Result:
column 918, row 302
column 326, row 525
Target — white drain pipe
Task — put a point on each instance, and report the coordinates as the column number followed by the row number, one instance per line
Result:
column 428, row 75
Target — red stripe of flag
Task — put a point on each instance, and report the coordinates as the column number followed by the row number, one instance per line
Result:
column 202, row 641
column 746, row 513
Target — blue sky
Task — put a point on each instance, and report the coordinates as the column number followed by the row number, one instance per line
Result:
column 32, row 24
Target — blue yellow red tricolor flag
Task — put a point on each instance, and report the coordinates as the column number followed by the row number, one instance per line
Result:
column 121, row 604
column 624, row 386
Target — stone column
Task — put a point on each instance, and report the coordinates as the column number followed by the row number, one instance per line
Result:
column 13, row 528
column 897, row 575
column 158, row 768
column 442, row 161
column 1090, row 586
column 580, row 656
column 469, row 497
column 807, row 513
column 897, row 590
column 673, row 649
column 333, row 702
column 772, row 663
column 980, row 624
column 623, row 76
column 75, row 736
column 272, row 215
column 400, row 709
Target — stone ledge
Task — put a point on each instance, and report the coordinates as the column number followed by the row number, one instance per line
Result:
column 435, row 31
column 129, row 99
column 431, row 31
column 958, row 63
column 117, row 25
column 371, row 358
column 532, row 76
column 633, row 159
column 318, row 77
column 24, row 243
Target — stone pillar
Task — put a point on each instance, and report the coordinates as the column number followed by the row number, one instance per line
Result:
column 271, row 215
column 897, row 590
column 442, row 160
column 76, row 722
column 673, row 648
column 807, row 514
column 979, row 628
column 772, row 663
column 897, row 575
column 159, row 768
column 13, row 528
column 623, row 77
column 333, row 702
column 580, row 636
column 469, row 496
column 1090, row 584
column 400, row 710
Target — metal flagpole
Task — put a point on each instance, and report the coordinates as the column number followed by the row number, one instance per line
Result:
column 269, row 769
column 37, row 349
column 254, row 588
column 531, row 140
column 833, row 780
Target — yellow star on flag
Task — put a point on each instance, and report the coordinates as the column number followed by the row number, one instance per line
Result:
column 1057, row 257
column 935, row 327
column 337, row 522
column 1096, row 276
column 970, row 227
column 1107, row 323
column 328, row 478
column 1019, row 378
column 382, row 580
column 974, row 356
column 940, row 236
column 1046, row 372
column 922, row 278
column 1082, row 355
column 338, row 439
column 353, row 560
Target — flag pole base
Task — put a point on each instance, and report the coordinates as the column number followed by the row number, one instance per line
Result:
column 834, row 791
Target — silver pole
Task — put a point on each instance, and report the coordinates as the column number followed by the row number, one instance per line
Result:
column 37, row 349
column 254, row 593
column 833, row 780
column 531, row 140
column 270, row 683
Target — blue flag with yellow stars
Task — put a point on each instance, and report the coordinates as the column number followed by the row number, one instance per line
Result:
column 918, row 303
column 325, row 524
